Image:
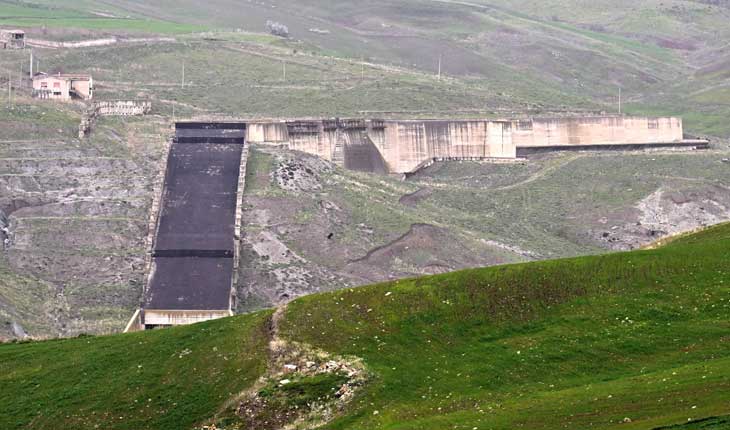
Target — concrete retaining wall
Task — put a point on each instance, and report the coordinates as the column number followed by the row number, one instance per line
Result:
column 405, row 144
column 123, row 107
column 597, row 131
column 409, row 143
column 169, row 318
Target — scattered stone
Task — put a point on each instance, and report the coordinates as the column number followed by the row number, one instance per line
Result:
column 300, row 175
column 18, row 331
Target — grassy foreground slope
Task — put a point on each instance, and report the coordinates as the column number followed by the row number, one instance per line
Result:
column 578, row 343
column 163, row 380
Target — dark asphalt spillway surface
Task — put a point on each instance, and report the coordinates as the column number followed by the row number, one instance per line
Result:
column 199, row 200
column 193, row 251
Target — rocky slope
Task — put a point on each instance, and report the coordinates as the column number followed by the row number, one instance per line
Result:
column 311, row 226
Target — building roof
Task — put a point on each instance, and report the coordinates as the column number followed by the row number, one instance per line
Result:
column 13, row 31
column 64, row 76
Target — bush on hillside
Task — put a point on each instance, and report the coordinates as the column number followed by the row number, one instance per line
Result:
column 277, row 28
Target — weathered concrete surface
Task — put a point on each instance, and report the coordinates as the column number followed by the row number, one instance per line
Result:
column 409, row 143
column 403, row 145
column 610, row 130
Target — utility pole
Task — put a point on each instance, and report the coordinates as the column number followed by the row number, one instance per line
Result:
column 619, row 100
column 182, row 83
column 284, row 69
column 10, row 88
column 30, row 75
column 362, row 68
column 439, row 75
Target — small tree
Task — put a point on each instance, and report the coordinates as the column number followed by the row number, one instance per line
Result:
column 277, row 28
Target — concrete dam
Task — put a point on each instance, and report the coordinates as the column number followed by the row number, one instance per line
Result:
column 402, row 146
column 194, row 250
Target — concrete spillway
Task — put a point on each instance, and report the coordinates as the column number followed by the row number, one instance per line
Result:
column 195, row 247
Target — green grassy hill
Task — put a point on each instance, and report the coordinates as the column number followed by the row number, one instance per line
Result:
column 631, row 340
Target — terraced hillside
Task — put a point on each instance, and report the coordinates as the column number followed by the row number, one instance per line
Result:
column 622, row 341
column 74, row 218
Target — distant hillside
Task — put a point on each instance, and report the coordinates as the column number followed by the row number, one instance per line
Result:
column 668, row 56
column 627, row 341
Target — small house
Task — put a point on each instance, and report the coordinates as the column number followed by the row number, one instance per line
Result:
column 12, row 39
column 63, row 86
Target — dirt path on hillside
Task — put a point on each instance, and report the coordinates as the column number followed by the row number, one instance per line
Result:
column 557, row 164
column 290, row 362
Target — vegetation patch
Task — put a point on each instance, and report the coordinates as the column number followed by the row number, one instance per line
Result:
column 283, row 402
column 304, row 388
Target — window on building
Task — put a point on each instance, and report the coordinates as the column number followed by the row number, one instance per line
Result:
column 44, row 85
column 56, row 85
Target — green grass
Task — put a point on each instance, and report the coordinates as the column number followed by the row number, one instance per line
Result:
column 78, row 15
column 302, row 392
column 25, row 119
column 579, row 343
column 170, row 379
column 710, row 423
column 224, row 77
column 582, row 343
column 697, row 119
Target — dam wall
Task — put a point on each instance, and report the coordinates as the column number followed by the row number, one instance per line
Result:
column 403, row 145
column 612, row 130
column 408, row 143
column 271, row 132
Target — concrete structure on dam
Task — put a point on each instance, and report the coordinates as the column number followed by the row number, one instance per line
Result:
column 402, row 146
